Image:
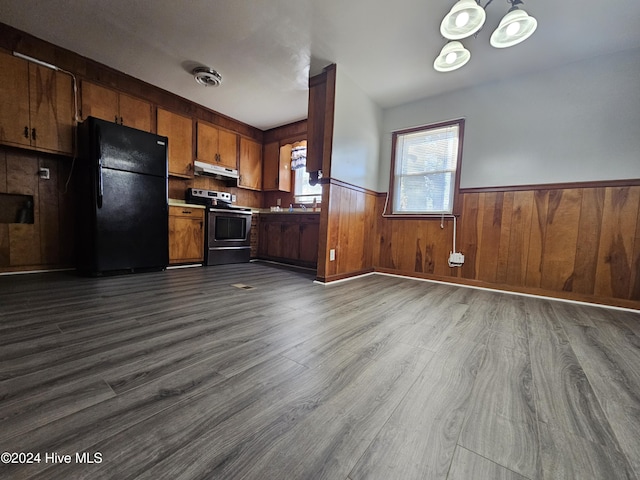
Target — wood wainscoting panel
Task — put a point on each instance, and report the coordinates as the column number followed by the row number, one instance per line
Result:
column 49, row 218
column 469, row 235
column 519, row 238
column 615, row 255
column 588, row 244
column 580, row 242
column 491, row 205
column 350, row 230
column 560, row 240
column 533, row 277
column 634, row 293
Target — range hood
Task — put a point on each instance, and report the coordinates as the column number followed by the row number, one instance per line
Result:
column 222, row 173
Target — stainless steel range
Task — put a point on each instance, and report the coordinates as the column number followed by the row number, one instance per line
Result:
column 227, row 227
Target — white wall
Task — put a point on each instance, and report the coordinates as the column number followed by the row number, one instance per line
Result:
column 356, row 145
column 577, row 123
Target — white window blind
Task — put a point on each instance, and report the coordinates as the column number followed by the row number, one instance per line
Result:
column 425, row 170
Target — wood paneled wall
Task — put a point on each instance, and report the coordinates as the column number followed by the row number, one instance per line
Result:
column 574, row 243
column 349, row 223
column 48, row 242
column 12, row 39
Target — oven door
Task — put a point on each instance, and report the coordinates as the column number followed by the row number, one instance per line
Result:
column 228, row 239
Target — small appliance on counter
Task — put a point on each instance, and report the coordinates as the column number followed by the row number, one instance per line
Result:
column 227, row 227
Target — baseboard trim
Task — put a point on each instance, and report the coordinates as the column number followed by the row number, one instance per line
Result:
column 621, row 305
column 24, row 272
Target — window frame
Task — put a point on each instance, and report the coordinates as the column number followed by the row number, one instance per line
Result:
column 457, row 208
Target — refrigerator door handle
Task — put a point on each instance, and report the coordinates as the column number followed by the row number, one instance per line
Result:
column 99, row 176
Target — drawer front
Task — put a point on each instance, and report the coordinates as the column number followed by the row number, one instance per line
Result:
column 176, row 211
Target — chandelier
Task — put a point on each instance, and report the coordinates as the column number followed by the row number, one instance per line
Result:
column 466, row 18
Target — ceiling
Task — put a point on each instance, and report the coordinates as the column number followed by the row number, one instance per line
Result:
column 265, row 50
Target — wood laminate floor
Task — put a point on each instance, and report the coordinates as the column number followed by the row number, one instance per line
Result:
column 181, row 375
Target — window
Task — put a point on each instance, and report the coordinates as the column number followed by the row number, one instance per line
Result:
column 304, row 192
column 425, row 169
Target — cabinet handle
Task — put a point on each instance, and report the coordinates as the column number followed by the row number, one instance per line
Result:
column 121, row 121
column 187, row 211
column 33, row 134
column 115, row 119
column 26, row 132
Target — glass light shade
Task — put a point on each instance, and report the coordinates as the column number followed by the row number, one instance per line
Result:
column 452, row 56
column 465, row 18
column 515, row 27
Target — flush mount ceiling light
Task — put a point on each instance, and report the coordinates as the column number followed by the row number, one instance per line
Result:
column 452, row 56
column 207, row 76
column 467, row 17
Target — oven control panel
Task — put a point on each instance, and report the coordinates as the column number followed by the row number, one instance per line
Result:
column 207, row 197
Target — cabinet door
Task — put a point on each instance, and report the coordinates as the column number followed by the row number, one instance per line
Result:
column 291, row 240
column 284, row 168
column 134, row 112
column 263, row 239
column 51, row 109
column 14, row 100
column 273, row 232
column 99, row 102
column 227, row 149
column 309, row 233
column 179, row 130
column 186, row 235
column 206, row 143
column 250, row 164
column 270, row 166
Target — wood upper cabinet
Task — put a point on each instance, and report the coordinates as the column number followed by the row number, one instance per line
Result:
column 113, row 106
column 322, row 90
column 250, row 164
column 179, row 130
column 36, row 106
column 216, row 146
column 186, row 234
column 276, row 167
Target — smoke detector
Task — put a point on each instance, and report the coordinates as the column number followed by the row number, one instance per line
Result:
column 207, row 76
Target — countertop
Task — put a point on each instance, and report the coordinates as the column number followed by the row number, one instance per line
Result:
column 299, row 211
column 174, row 202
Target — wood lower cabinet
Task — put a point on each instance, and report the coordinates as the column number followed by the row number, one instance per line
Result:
column 112, row 106
column 36, row 106
column 290, row 238
column 179, row 130
column 186, row 235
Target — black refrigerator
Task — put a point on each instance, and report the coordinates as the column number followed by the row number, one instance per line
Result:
column 122, row 207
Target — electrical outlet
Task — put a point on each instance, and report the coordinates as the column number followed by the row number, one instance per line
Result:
column 456, row 259
column 279, row 202
column 44, row 173
column 332, row 254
